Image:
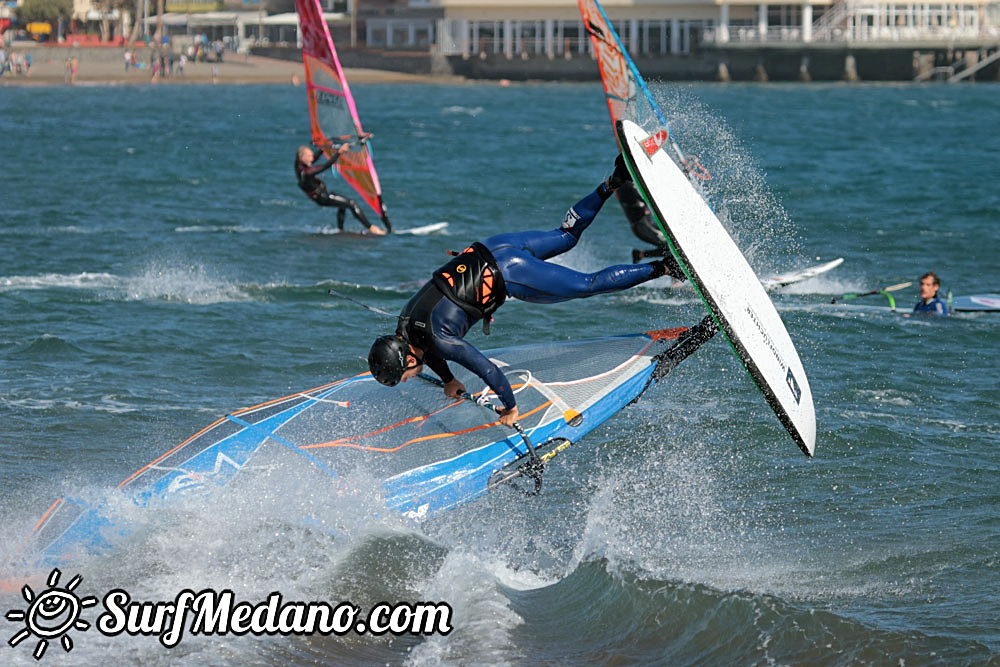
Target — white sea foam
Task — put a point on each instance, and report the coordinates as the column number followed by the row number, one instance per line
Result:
column 104, row 404
column 192, row 283
column 825, row 285
column 462, row 110
column 283, row 525
column 84, row 280
column 483, row 617
column 738, row 189
column 886, row 396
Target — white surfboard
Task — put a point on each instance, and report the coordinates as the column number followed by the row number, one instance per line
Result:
column 425, row 229
column 725, row 282
column 981, row 302
column 774, row 282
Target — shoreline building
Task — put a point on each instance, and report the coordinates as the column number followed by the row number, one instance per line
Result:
column 513, row 27
column 712, row 39
column 669, row 39
column 795, row 40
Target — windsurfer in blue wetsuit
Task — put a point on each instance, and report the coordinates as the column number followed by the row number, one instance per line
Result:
column 477, row 281
column 307, row 171
column 929, row 302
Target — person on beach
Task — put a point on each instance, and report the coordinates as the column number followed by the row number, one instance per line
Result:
column 930, row 303
column 476, row 282
column 307, row 171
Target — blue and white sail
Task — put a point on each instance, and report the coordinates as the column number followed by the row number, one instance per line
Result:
column 430, row 452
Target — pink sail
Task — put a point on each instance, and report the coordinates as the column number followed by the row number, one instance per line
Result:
column 332, row 112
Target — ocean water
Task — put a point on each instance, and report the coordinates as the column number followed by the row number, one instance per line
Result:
column 161, row 269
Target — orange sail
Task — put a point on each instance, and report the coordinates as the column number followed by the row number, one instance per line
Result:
column 622, row 82
column 626, row 91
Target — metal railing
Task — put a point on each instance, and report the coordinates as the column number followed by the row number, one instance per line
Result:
column 980, row 64
column 848, row 20
column 829, row 26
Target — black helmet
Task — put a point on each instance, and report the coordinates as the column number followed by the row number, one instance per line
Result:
column 387, row 359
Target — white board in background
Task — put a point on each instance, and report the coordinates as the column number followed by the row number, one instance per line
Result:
column 791, row 277
column 981, row 302
column 425, row 229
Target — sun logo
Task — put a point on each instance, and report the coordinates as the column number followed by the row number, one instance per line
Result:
column 51, row 614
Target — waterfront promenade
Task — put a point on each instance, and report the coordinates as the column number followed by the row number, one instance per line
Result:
column 55, row 70
column 733, row 62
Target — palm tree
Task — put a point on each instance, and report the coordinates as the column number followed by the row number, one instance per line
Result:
column 137, row 30
column 137, row 24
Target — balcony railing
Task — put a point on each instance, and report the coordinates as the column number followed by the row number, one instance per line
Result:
column 848, row 21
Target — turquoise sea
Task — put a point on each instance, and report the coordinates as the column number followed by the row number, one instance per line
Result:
column 160, row 268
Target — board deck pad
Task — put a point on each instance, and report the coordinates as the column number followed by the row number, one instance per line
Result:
column 726, row 283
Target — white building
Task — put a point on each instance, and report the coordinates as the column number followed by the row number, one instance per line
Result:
column 516, row 27
column 525, row 28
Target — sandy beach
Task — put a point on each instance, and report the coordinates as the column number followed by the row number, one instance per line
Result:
column 255, row 69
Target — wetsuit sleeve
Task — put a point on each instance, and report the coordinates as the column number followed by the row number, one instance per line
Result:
column 314, row 169
column 604, row 192
column 582, row 213
column 590, row 206
column 457, row 350
column 439, row 366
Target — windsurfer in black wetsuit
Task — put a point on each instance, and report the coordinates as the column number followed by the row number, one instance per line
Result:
column 307, row 173
column 641, row 222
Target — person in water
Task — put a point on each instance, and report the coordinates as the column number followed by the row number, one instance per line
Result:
column 929, row 302
column 476, row 282
column 307, row 171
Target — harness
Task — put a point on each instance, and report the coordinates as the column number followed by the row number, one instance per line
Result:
column 307, row 182
column 310, row 183
column 471, row 280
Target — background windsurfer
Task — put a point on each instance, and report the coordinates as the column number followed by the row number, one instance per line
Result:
column 306, row 172
column 476, row 282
